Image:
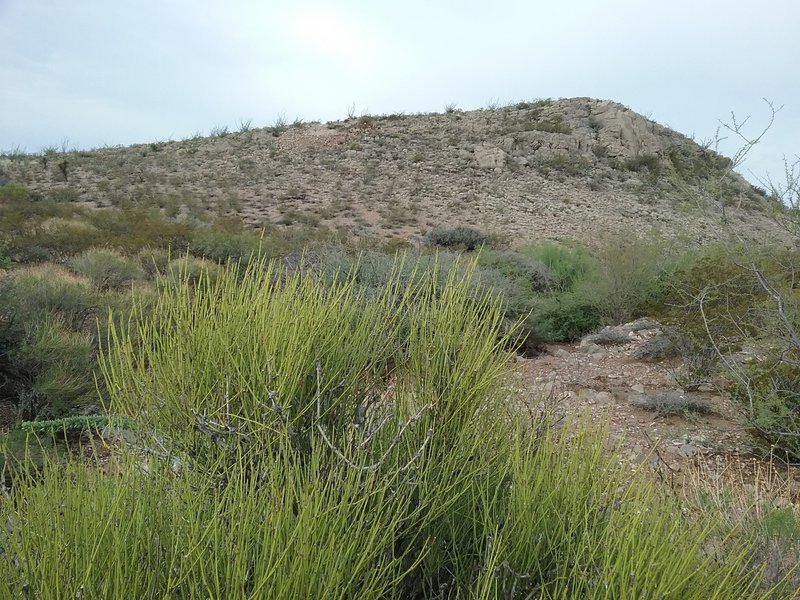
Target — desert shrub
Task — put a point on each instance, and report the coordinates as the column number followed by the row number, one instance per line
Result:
column 568, row 164
column 12, row 193
column 106, row 269
column 300, row 452
column 60, row 363
column 631, row 277
column 567, row 264
column 133, row 229
column 222, row 246
column 188, row 269
column 64, row 237
column 517, row 267
column 514, row 280
column 658, row 347
column 397, row 245
column 642, row 162
column 572, row 524
column 5, row 259
column 566, row 317
column 456, row 238
column 608, row 336
column 32, row 255
column 692, row 164
column 769, row 388
column 49, row 338
column 710, row 292
column 721, row 309
column 64, row 194
column 33, row 293
column 153, row 261
column 553, row 124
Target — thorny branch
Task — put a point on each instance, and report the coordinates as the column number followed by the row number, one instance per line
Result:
column 789, row 197
column 738, row 374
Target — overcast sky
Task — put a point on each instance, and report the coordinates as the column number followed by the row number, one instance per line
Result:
column 99, row 72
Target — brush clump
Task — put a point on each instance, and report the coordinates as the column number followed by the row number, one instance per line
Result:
column 299, row 440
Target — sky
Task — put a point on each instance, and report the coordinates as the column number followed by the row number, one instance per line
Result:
column 89, row 73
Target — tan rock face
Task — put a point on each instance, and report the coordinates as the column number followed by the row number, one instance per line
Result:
column 489, row 157
column 575, row 168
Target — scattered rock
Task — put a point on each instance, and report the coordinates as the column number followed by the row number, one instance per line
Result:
column 604, row 397
column 589, row 348
column 658, row 347
column 562, row 353
column 599, row 354
column 490, row 157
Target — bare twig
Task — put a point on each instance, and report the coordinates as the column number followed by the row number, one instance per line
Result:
column 368, row 438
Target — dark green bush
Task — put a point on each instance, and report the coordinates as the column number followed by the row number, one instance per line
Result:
column 632, row 276
column 32, row 294
column 692, row 164
column 32, row 255
column 153, row 261
column 49, row 339
column 60, row 363
column 711, row 277
column 190, row 269
column 567, row 164
column 12, row 193
column 553, row 124
column 567, row 317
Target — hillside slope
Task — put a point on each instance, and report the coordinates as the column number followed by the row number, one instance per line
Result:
column 573, row 168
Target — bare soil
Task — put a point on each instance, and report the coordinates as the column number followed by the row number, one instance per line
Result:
column 602, row 383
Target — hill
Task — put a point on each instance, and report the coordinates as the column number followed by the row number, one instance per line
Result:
column 549, row 169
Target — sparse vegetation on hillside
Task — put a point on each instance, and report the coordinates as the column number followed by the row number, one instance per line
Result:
column 360, row 175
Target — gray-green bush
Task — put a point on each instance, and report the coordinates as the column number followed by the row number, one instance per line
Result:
column 106, row 269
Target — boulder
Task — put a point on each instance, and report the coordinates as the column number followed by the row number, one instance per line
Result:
column 490, row 157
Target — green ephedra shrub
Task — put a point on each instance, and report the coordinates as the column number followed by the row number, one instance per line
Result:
column 293, row 440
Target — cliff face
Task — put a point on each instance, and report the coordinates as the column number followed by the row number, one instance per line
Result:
column 574, row 168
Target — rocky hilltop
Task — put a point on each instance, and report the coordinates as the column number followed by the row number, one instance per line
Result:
column 549, row 169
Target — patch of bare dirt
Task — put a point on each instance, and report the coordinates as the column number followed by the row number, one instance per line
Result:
column 609, row 381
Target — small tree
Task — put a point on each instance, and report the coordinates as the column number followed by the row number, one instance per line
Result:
column 767, row 382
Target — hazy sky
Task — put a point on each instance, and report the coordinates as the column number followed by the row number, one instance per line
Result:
column 99, row 72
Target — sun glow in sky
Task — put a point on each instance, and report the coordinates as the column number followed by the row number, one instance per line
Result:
column 334, row 40
column 95, row 72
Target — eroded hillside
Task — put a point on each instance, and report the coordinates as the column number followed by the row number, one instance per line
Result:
column 572, row 168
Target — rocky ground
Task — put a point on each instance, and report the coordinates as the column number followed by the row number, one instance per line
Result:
column 651, row 418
